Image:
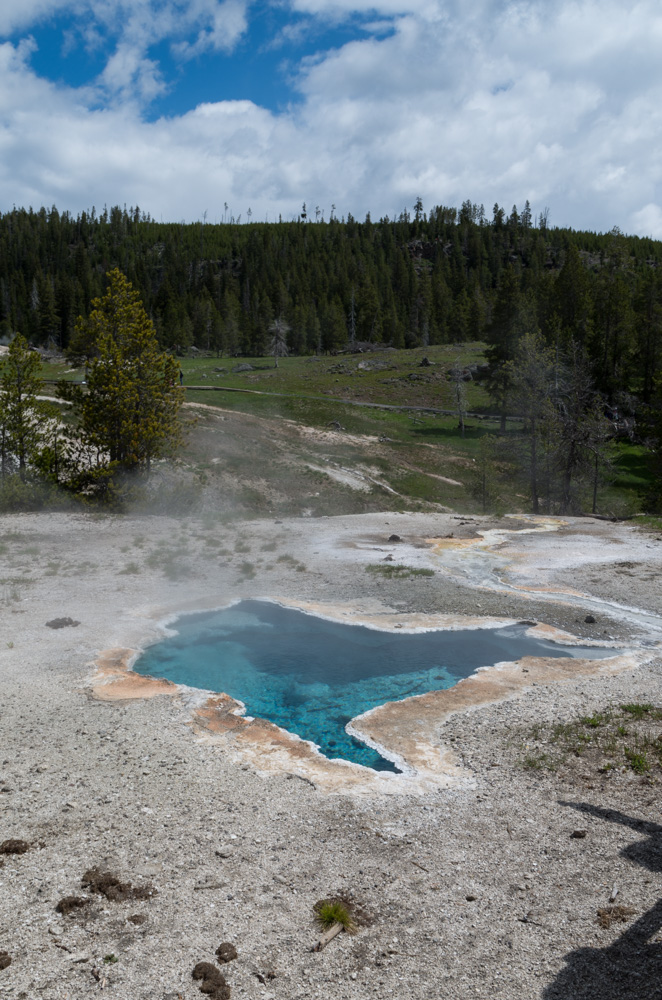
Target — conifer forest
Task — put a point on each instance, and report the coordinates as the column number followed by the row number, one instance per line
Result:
column 572, row 321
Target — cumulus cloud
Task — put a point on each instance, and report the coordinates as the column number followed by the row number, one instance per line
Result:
column 560, row 104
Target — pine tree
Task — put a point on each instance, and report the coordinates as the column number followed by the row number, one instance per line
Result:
column 21, row 412
column 130, row 412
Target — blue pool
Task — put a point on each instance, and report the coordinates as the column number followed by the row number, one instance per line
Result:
column 311, row 676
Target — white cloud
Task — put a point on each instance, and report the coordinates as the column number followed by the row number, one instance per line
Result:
column 648, row 221
column 16, row 15
column 136, row 25
column 227, row 24
column 560, row 104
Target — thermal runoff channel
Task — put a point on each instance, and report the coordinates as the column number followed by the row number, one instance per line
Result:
column 311, row 676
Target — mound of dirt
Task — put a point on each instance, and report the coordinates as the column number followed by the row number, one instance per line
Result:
column 109, row 885
column 14, row 847
column 226, row 952
column 212, row 982
column 609, row 915
column 70, row 903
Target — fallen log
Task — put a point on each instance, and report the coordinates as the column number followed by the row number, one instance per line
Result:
column 329, row 935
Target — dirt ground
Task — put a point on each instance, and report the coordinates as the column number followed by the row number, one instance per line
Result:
column 174, row 839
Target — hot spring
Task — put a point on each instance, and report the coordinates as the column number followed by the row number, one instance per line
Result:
column 312, row 676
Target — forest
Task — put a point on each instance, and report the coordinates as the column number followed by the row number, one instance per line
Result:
column 446, row 276
column 572, row 320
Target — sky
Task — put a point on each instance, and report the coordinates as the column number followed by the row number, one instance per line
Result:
column 216, row 109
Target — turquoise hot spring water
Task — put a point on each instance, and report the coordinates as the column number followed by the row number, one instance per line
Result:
column 311, row 676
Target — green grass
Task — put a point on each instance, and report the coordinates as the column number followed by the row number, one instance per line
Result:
column 637, row 761
column 602, row 739
column 334, row 911
column 640, row 710
column 421, row 445
column 396, row 571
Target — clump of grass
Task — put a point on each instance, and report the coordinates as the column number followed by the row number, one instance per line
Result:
column 293, row 563
column 640, row 710
column 638, row 761
column 396, row 571
column 130, row 569
column 538, row 762
column 334, row 911
column 595, row 721
column 247, row 570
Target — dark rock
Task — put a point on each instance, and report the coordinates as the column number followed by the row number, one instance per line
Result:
column 5, row 960
column 137, row 919
column 62, row 623
column 394, row 538
column 226, row 952
column 590, row 620
column 578, row 834
column 14, row 847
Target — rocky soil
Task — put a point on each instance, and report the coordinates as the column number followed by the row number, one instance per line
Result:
column 490, row 889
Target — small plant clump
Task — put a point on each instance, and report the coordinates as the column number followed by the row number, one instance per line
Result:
column 396, row 571
column 335, row 911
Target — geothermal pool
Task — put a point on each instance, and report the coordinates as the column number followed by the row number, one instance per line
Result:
column 311, row 676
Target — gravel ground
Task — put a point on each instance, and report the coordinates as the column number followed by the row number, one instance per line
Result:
column 477, row 890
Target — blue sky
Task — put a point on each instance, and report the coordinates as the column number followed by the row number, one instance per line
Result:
column 181, row 106
column 261, row 65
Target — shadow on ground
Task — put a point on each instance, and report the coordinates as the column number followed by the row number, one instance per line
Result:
column 631, row 967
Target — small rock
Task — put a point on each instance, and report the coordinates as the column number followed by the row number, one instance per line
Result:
column 62, row 623
column 5, row 960
column 578, row 834
column 589, row 620
column 471, row 899
column 226, row 851
column 394, row 538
